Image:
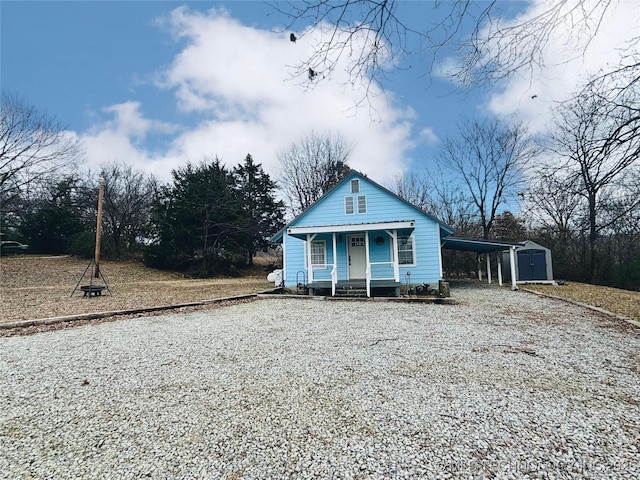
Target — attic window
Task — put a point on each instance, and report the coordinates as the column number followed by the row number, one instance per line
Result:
column 355, row 186
column 362, row 204
column 348, row 205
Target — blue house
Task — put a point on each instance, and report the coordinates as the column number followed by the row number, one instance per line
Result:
column 361, row 236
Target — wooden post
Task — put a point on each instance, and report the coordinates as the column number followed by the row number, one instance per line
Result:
column 96, row 258
column 488, row 258
column 499, row 260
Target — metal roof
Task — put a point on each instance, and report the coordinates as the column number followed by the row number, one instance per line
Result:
column 477, row 245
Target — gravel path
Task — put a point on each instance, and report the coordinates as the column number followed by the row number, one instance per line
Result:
column 504, row 385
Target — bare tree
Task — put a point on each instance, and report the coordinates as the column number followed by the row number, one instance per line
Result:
column 128, row 199
column 438, row 196
column 598, row 146
column 371, row 37
column 32, row 145
column 311, row 167
column 489, row 159
column 412, row 188
column 551, row 203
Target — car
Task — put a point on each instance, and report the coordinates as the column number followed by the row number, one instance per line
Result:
column 8, row 247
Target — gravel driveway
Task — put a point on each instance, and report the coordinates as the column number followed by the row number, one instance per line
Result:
column 504, row 385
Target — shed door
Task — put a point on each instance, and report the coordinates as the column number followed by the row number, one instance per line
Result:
column 357, row 257
column 532, row 265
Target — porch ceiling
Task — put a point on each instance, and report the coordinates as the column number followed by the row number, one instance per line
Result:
column 301, row 232
column 477, row 245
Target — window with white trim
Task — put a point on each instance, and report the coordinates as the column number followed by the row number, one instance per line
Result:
column 362, row 204
column 348, row 205
column 405, row 250
column 318, row 252
column 355, row 186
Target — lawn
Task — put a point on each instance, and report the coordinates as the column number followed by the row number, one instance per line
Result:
column 33, row 287
column 621, row 302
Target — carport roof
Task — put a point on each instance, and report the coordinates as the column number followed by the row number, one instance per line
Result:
column 477, row 245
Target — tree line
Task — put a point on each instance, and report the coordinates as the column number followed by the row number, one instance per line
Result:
column 576, row 191
column 577, row 188
column 207, row 220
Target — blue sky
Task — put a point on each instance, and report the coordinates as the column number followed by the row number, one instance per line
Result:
column 159, row 83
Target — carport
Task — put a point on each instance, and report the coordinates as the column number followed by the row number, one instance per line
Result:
column 487, row 247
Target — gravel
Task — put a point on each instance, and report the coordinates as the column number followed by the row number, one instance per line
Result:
column 503, row 385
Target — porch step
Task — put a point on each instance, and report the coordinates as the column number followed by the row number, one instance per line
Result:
column 351, row 292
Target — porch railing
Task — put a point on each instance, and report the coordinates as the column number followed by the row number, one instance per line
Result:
column 320, row 272
column 382, row 271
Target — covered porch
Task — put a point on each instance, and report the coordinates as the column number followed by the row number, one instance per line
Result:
column 353, row 258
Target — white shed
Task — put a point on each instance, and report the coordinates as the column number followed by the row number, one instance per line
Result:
column 533, row 263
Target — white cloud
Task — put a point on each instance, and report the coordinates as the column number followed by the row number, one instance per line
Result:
column 429, row 136
column 129, row 121
column 120, row 138
column 234, row 82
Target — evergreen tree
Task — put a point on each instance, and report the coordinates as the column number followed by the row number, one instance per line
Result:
column 262, row 213
column 197, row 220
column 55, row 220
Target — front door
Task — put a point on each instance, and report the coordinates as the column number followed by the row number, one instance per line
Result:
column 357, row 257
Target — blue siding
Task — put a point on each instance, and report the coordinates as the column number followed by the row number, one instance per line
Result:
column 294, row 250
column 381, row 207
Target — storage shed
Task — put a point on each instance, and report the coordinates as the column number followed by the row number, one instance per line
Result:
column 533, row 263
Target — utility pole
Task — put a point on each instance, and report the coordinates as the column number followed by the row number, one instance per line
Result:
column 96, row 259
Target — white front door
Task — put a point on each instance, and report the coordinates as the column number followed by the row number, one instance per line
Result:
column 357, row 257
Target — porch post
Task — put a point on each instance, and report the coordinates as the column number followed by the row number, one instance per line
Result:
column 499, row 260
column 368, row 270
column 488, row 258
column 284, row 259
column 512, row 258
column 310, row 238
column 479, row 267
column 334, row 272
column 396, row 264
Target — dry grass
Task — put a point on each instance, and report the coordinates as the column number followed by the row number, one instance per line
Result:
column 622, row 302
column 34, row 287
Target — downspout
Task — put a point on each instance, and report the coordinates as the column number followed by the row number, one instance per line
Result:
column 440, row 254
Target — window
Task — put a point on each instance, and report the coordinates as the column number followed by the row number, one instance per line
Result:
column 355, row 186
column 362, row 204
column 405, row 250
column 348, row 205
column 357, row 241
column 318, row 252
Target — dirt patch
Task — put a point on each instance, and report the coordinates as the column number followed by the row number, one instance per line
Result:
column 621, row 302
column 34, row 287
